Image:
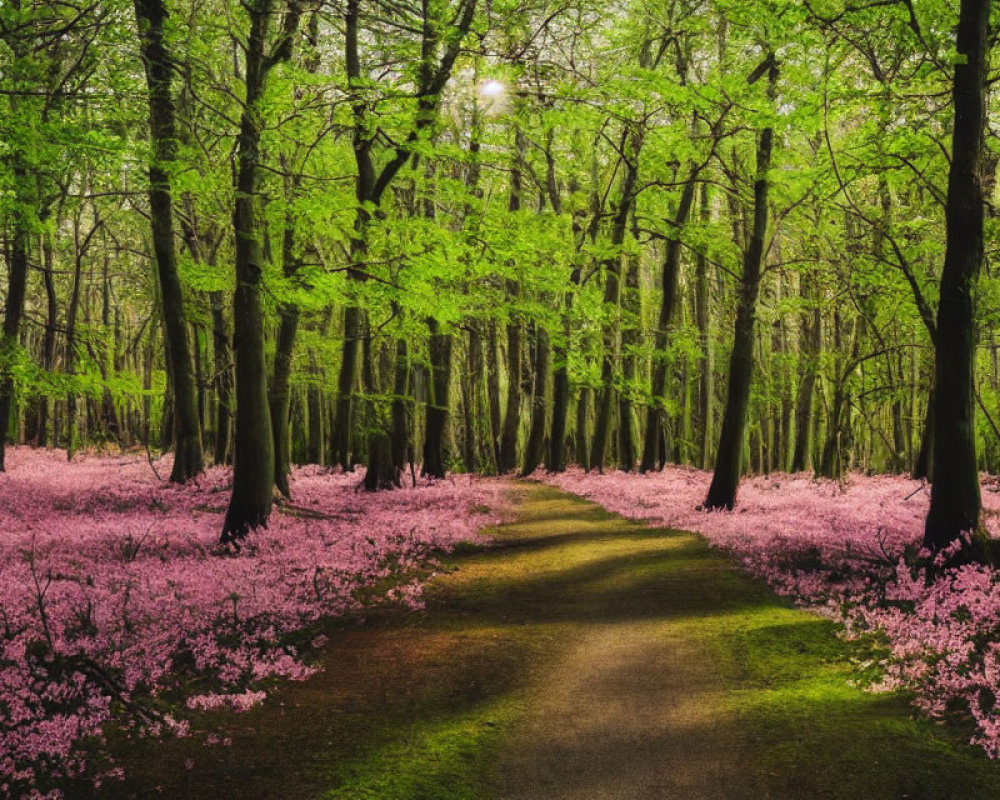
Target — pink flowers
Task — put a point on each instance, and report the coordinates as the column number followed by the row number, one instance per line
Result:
column 238, row 702
column 116, row 606
column 847, row 550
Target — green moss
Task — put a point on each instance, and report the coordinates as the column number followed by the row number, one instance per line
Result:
column 791, row 683
column 447, row 758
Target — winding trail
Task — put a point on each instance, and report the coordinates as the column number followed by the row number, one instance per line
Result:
column 584, row 658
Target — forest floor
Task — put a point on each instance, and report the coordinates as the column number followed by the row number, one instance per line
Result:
column 586, row 657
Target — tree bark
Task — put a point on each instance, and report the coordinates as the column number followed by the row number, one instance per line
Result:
column 729, row 461
column 955, row 499
column 151, row 15
column 535, row 446
column 706, row 390
column 652, row 458
column 280, row 393
column 493, row 391
column 811, row 336
column 632, row 140
column 17, row 282
column 512, row 415
column 222, row 357
column 631, row 324
column 436, row 419
column 253, row 442
column 400, row 412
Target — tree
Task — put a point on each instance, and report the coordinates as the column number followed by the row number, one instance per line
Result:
column 253, row 445
column 955, row 500
column 729, row 461
column 441, row 36
column 150, row 18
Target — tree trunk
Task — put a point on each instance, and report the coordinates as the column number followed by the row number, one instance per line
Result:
column 400, row 413
column 493, row 392
column 512, row 415
column 49, row 339
column 343, row 421
column 151, row 16
column 923, row 465
column 706, row 388
column 612, row 297
column 17, row 282
column 223, row 381
column 811, row 336
column 955, row 498
column 652, row 458
column 535, row 446
column 471, row 409
column 381, row 471
column 280, row 394
column 729, row 461
column 556, row 461
column 632, row 322
column 436, row 420
column 253, row 443
column 583, row 427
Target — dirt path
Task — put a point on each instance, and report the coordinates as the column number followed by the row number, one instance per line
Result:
column 585, row 658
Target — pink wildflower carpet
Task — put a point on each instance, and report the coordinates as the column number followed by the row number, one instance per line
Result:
column 118, row 608
column 849, row 550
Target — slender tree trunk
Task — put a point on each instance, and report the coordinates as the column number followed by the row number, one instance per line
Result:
column 612, row 297
column 706, row 390
column 632, row 321
column 280, row 394
column 955, row 499
column 49, row 339
column 652, row 458
column 583, row 427
column 470, row 399
column 343, row 421
column 512, row 415
column 811, row 337
column 381, row 471
column 729, row 461
column 923, row 465
column 79, row 248
column 556, row 461
column 400, row 413
column 535, row 446
column 436, row 420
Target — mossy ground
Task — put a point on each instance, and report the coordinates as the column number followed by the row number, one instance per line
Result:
column 584, row 657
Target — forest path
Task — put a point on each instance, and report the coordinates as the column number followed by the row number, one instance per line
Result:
column 585, row 657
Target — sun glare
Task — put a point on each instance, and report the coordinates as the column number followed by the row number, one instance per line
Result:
column 491, row 88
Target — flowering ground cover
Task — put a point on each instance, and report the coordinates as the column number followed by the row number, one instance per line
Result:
column 118, row 608
column 850, row 550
